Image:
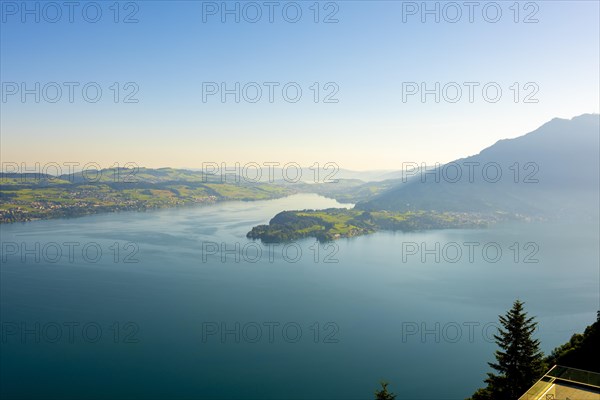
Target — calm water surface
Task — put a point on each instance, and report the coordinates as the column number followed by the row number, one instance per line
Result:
column 179, row 304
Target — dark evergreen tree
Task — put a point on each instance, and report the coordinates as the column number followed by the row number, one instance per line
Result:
column 384, row 394
column 482, row 394
column 519, row 361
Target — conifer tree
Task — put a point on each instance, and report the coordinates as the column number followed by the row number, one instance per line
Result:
column 384, row 394
column 519, row 361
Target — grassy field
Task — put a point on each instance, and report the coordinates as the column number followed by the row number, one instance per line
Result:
column 35, row 196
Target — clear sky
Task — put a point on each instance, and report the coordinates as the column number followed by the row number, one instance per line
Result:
column 369, row 56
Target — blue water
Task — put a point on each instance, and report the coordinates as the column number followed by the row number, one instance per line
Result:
column 190, row 321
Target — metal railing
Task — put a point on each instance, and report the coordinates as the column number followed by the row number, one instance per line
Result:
column 558, row 374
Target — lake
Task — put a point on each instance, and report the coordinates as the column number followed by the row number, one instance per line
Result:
column 179, row 304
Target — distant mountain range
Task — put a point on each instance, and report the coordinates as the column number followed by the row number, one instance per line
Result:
column 550, row 173
column 552, row 170
column 326, row 172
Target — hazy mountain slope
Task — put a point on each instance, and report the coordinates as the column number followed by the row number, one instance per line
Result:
column 558, row 172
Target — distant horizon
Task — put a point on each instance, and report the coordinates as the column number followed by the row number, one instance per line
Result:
column 70, row 164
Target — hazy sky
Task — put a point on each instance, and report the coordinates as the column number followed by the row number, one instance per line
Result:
column 179, row 51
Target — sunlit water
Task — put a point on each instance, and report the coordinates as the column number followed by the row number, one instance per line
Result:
column 196, row 318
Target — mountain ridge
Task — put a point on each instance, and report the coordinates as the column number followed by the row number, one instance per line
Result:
column 539, row 172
